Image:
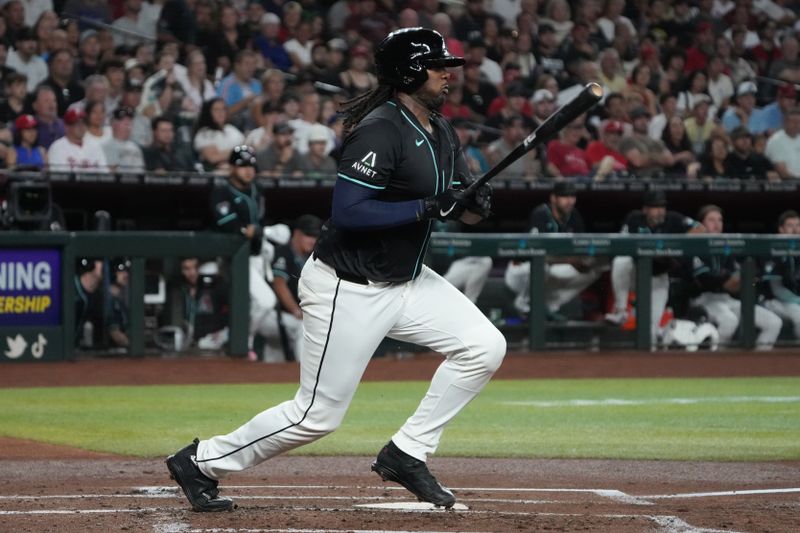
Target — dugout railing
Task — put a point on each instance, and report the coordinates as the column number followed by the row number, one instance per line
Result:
column 643, row 248
column 26, row 336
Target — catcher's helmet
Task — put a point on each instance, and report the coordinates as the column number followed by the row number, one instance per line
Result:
column 402, row 58
column 242, row 156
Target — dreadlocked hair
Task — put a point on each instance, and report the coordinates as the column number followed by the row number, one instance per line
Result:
column 358, row 107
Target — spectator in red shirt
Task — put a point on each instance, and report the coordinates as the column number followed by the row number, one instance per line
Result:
column 564, row 157
column 604, row 154
column 697, row 56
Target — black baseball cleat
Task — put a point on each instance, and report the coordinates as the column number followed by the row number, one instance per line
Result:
column 393, row 464
column 200, row 490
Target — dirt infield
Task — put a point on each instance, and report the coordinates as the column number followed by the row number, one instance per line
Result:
column 53, row 488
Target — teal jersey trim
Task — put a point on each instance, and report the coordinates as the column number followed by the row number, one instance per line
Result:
column 252, row 203
column 435, row 173
column 226, row 218
column 369, row 186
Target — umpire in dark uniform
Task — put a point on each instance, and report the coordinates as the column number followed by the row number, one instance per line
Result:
column 401, row 169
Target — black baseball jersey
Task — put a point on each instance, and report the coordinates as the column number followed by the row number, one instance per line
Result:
column 288, row 265
column 233, row 210
column 786, row 269
column 711, row 273
column 389, row 151
column 674, row 222
column 543, row 221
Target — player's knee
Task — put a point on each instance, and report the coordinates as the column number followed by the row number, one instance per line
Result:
column 727, row 328
column 494, row 345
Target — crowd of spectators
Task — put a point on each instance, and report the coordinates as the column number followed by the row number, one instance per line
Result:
column 701, row 90
column 692, row 88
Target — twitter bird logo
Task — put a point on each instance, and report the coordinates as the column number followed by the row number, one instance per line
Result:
column 16, row 346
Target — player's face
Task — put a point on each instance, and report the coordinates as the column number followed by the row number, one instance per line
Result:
column 304, row 243
column 435, row 90
column 713, row 222
column 189, row 271
column 564, row 204
column 244, row 174
column 655, row 215
column 791, row 226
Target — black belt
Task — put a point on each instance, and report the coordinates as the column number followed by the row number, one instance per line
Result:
column 352, row 278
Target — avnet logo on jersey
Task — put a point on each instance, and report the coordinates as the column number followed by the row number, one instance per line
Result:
column 30, row 287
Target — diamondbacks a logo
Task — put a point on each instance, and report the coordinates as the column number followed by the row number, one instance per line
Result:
column 367, row 165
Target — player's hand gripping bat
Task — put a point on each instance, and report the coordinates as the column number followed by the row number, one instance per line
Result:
column 588, row 97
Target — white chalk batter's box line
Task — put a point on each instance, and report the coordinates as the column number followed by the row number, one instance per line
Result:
column 155, row 492
column 667, row 523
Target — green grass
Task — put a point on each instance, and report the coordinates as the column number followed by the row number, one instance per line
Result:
column 731, row 420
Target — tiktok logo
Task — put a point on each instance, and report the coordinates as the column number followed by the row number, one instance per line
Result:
column 37, row 348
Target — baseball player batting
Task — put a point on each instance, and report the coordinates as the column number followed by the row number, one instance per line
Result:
column 400, row 170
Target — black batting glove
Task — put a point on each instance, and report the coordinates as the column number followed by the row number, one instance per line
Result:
column 480, row 201
column 447, row 205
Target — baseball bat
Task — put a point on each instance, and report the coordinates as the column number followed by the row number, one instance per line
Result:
column 562, row 116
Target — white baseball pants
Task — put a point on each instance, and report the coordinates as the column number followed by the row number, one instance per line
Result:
column 469, row 275
column 562, row 283
column 623, row 279
column 725, row 312
column 343, row 324
column 787, row 311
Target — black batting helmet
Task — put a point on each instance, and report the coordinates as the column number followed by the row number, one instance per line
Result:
column 402, row 58
column 242, row 156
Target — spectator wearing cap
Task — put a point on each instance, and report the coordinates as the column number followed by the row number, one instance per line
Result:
column 743, row 162
column 478, row 93
column 720, row 85
column 122, row 154
column 356, row 78
column 653, row 218
column 513, row 132
column 783, row 146
column 604, row 153
column 45, row 109
column 309, row 116
column 213, row 137
column 71, row 153
column 267, row 42
column 60, row 66
column 317, row 163
column 565, row 277
column 476, row 53
column 699, row 125
column 771, row 118
column 564, row 156
column 26, row 154
column 164, row 154
column 744, row 112
column 646, row 156
column 697, row 55
column 23, row 58
column 280, row 158
column 16, row 91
